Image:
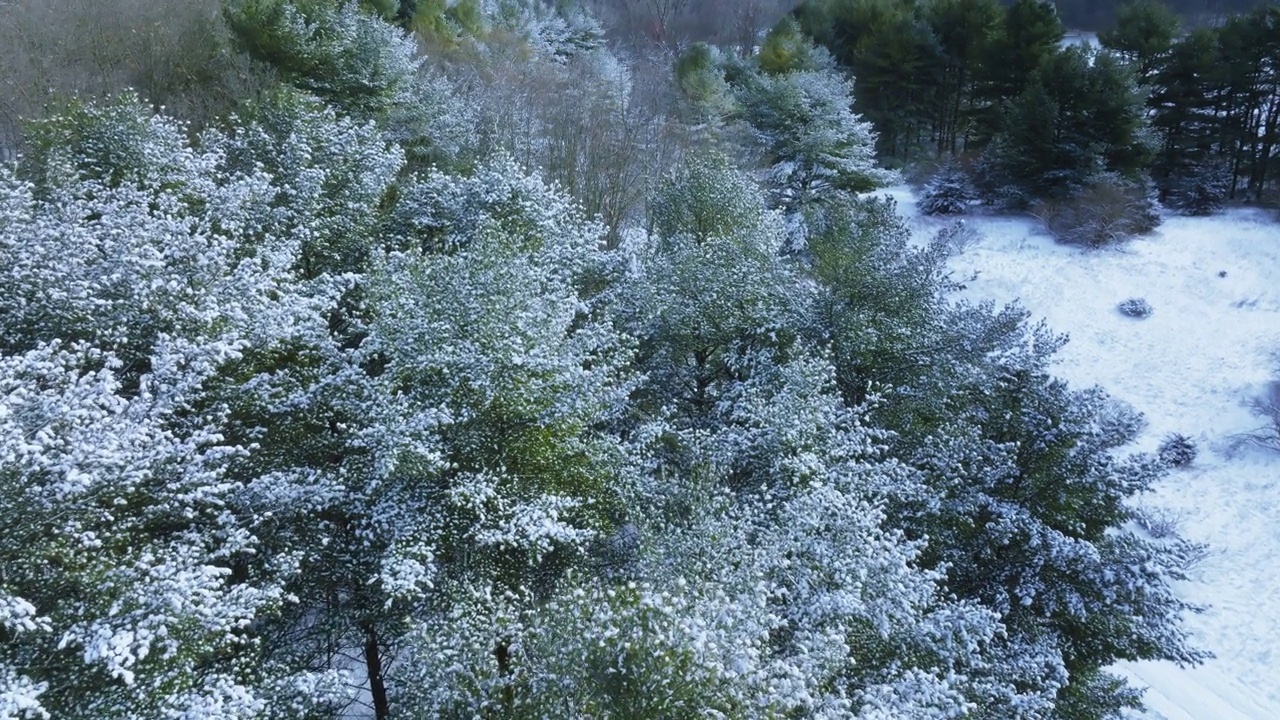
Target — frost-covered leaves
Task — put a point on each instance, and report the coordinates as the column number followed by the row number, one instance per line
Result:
column 755, row 456
column 329, row 176
column 1023, row 493
column 493, row 333
column 709, row 282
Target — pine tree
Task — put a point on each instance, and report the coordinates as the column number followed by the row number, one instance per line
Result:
column 1144, row 33
column 815, row 142
column 1029, row 32
column 1184, row 108
column 964, row 29
column 1024, row 497
column 948, row 193
column 332, row 49
column 1080, row 115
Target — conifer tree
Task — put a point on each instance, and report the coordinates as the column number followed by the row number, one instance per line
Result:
column 1029, row 32
column 1144, row 32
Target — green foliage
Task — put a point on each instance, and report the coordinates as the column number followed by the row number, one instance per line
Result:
column 786, row 49
column 302, row 394
column 115, row 143
column 815, row 142
column 880, row 293
column 1143, row 34
column 442, row 23
column 963, row 29
column 1029, row 33
column 1080, row 115
column 707, row 199
column 701, row 81
column 342, row 55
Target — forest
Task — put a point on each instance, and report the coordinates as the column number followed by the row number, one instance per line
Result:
column 524, row 359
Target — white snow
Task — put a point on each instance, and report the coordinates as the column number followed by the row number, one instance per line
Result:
column 1191, row 367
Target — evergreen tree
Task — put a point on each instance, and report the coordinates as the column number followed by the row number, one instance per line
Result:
column 947, row 193
column 1183, row 102
column 787, row 49
column 137, row 561
column 1024, row 497
column 332, row 49
column 1080, row 115
column 1144, row 33
column 1029, row 32
column 815, row 142
column 964, row 29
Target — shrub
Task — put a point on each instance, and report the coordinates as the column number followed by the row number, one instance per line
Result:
column 1267, row 407
column 1107, row 211
column 1159, row 523
column 948, row 193
column 1177, row 450
column 957, row 237
column 1135, row 308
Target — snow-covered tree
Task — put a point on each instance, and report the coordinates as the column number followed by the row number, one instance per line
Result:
column 132, row 576
column 816, row 143
column 330, row 48
column 1025, row 499
column 950, row 192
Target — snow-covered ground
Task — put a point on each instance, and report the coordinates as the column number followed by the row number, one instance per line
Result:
column 1191, row 367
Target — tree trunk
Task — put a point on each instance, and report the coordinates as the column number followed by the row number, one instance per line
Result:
column 373, row 662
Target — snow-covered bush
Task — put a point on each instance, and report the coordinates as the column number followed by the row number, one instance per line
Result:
column 1177, row 450
column 1158, row 522
column 1267, row 408
column 949, row 192
column 1107, row 211
column 957, row 237
column 1135, row 307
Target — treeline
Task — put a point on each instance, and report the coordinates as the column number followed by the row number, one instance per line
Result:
column 462, row 366
column 1196, row 111
column 1098, row 15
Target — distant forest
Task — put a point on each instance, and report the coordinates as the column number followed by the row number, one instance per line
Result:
column 1095, row 15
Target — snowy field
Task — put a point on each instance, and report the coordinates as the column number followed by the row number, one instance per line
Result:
column 1191, row 367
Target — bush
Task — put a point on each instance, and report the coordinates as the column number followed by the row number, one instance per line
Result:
column 957, row 237
column 1159, row 523
column 948, row 193
column 1267, row 407
column 1135, row 308
column 1177, row 450
column 1108, row 211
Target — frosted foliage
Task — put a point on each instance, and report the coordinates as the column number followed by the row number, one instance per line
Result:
column 816, row 141
column 560, row 31
column 131, row 295
column 20, row 696
column 841, row 592
column 334, row 50
column 327, row 175
column 492, row 333
column 713, row 234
